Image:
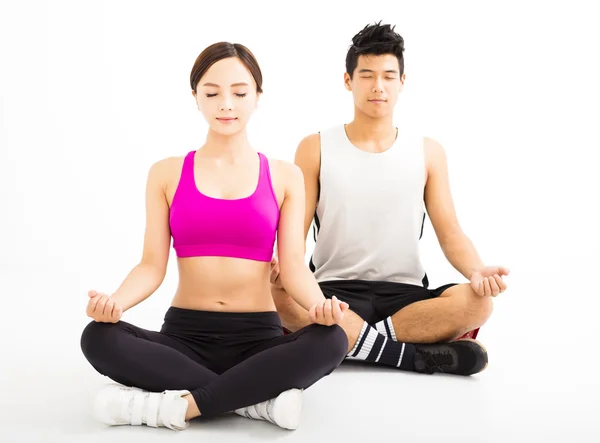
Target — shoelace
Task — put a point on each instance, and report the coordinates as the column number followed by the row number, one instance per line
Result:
column 437, row 360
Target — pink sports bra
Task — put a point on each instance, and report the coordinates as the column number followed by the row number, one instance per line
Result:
column 207, row 226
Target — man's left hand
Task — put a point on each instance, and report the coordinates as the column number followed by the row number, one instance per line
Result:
column 488, row 281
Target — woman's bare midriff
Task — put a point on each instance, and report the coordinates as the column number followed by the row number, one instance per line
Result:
column 223, row 284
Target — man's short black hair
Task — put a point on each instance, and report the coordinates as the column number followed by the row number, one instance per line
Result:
column 375, row 39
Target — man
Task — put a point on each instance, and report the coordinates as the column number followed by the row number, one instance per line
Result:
column 368, row 185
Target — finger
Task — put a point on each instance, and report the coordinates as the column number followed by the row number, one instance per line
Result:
column 336, row 310
column 100, row 305
column 500, row 283
column 344, row 306
column 93, row 303
column 480, row 289
column 320, row 311
column 503, row 271
column 486, row 287
column 312, row 314
column 108, row 308
column 328, row 310
column 92, row 293
column 494, row 286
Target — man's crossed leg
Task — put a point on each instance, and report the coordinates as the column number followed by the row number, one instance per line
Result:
column 404, row 326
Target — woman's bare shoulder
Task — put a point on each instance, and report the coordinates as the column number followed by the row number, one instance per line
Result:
column 282, row 167
column 167, row 168
column 286, row 173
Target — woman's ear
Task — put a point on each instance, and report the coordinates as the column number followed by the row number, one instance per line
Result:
column 196, row 99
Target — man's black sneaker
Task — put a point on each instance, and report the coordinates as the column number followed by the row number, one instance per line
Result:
column 462, row 357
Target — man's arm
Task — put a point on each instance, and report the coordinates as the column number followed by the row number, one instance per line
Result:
column 308, row 158
column 457, row 247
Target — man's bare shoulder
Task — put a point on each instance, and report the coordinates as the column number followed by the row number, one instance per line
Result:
column 308, row 154
column 310, row 145
column 435, row 155
column 432, row 146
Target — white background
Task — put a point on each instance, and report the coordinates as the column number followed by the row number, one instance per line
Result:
column 93, row 93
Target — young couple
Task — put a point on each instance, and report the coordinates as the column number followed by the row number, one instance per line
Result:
column 248, row 330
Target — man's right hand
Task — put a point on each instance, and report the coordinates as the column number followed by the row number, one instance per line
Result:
column 102, row 308
column 275, row 280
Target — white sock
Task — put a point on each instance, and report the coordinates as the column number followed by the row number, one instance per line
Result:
column 386, row 328
column 283, row 411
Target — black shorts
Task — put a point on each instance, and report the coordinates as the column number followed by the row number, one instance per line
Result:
column 374, row 301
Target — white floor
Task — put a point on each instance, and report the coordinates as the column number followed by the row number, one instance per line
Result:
column 510, row 402
column 541, row 384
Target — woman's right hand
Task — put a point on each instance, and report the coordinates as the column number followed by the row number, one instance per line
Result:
column 329, row 312
column 102, row 308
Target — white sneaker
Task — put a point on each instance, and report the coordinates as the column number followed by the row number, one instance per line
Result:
column 283, row 411
column 121, row 405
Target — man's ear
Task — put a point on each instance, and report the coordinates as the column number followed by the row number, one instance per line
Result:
column 347, row 81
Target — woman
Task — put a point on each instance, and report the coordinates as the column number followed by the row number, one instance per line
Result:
column 221, row 347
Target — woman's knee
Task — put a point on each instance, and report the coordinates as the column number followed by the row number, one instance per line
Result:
column 97, row 337
column 332, row 340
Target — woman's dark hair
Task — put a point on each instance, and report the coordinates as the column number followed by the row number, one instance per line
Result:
column 376, row 39
column 220, row 51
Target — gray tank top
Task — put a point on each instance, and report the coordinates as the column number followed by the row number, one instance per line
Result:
column 370, row 212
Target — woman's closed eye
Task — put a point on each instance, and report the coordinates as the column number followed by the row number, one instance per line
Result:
column 214, row 95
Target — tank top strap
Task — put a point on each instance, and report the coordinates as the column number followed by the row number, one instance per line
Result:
column 187, row 171
column 265, row 184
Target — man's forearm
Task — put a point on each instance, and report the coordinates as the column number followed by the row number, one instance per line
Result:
column 462, row 255
column 301, row 285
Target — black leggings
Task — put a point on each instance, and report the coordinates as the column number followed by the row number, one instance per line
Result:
column 226, row 360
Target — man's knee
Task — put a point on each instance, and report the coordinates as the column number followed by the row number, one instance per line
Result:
column 479, row 307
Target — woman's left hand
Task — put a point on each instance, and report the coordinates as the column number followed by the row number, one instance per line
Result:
column 328, row 312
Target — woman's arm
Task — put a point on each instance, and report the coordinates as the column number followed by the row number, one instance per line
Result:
column 295, row 276
column 147, row 276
